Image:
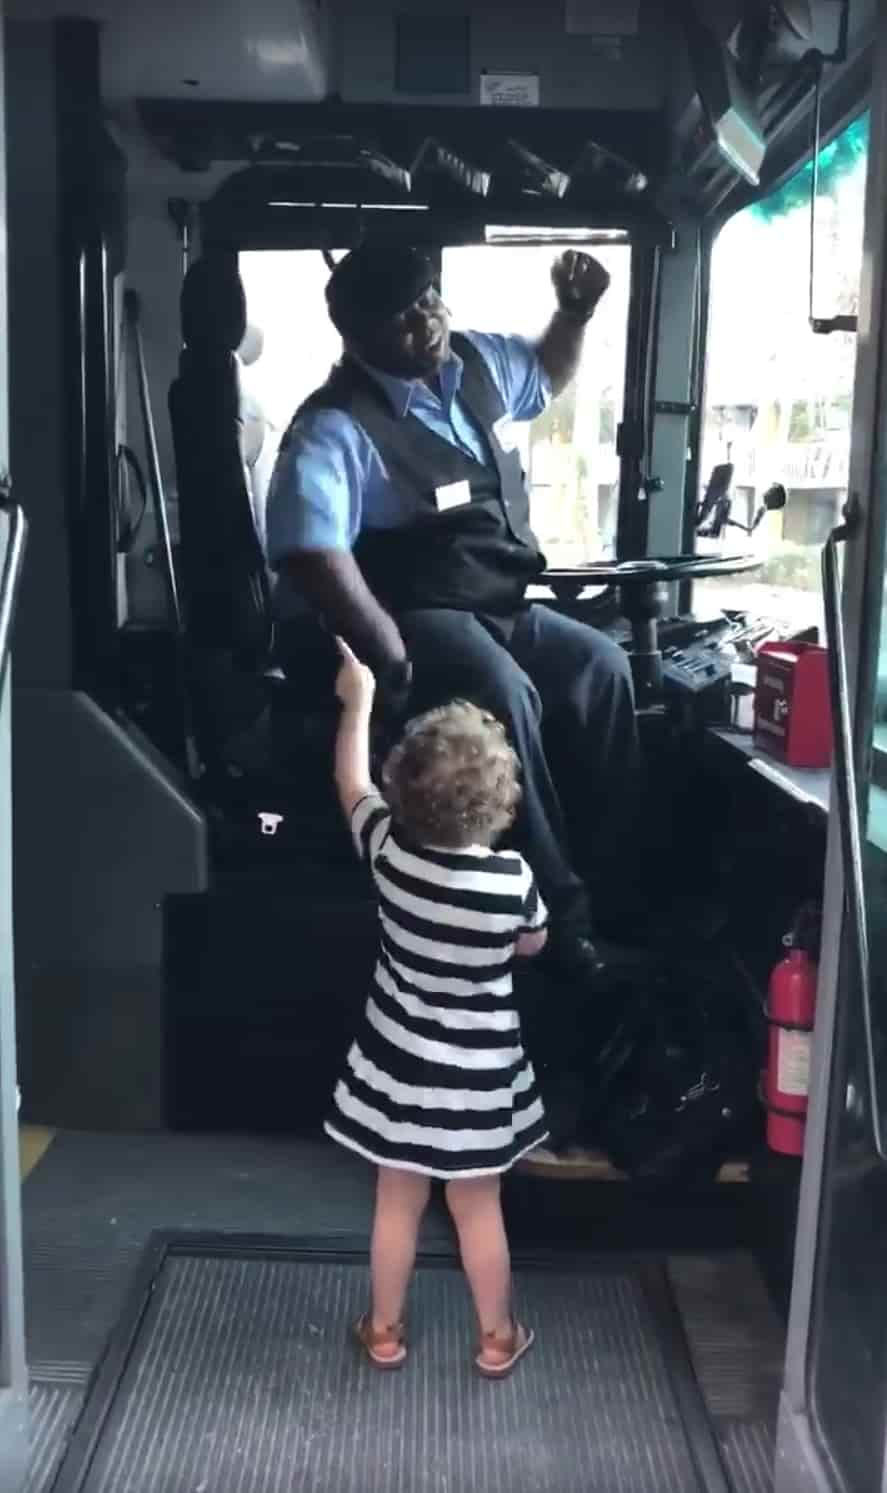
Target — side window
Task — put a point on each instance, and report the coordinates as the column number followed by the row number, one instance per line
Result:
column 285, row 301
column 778, row 397
column 569, row 452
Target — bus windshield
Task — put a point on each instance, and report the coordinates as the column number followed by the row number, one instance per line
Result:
column 778, row 396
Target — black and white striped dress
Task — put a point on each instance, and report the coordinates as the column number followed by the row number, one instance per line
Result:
column 437, row 1080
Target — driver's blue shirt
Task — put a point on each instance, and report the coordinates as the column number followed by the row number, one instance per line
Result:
column 330, row 482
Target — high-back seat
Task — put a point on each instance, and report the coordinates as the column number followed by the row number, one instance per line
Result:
column 258, row 438
column 265, row 742
column 225, row 588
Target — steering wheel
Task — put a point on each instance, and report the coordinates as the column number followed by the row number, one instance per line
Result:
column 642, row 596
column 631, row 575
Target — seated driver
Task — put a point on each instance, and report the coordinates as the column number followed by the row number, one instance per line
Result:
column 399, row 512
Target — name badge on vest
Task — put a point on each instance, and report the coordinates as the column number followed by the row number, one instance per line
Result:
column 452, row 495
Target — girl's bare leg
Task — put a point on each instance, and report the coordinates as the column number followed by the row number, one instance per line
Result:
column 401, row 1200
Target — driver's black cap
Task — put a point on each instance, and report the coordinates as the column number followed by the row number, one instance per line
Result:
column 374, row 283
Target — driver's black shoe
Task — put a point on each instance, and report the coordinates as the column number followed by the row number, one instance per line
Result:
column 575, row 958
column 586, row 961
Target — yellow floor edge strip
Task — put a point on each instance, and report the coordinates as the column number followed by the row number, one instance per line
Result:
column 33, row 1143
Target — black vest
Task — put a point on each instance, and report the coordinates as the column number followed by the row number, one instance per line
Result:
column 477, row 557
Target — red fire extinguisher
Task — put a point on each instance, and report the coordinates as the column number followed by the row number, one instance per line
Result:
column 791, row 1006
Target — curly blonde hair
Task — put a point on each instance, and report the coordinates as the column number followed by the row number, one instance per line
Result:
column 453, row 780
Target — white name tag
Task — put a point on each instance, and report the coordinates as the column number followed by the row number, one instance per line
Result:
column 452, row 495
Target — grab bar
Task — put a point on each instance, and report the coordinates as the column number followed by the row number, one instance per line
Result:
column 11, row 577
column 133, row 311
column 848, row 800
column 132, row 307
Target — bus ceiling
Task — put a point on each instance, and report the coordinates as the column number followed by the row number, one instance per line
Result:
column 212, row 49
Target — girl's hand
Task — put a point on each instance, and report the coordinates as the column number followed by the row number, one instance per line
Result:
column 355, row 685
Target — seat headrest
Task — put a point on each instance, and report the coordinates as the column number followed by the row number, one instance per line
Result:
column 213, row 305
column 252, row 346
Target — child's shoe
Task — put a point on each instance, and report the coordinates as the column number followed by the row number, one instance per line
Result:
column 500, row 1354
column 385, row 1347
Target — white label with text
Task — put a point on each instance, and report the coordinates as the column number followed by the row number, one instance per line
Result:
column 793, row 1068
column 510, row 90
column 452, row 495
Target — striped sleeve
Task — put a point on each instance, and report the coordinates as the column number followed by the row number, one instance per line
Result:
column 535, row 913
column 370, row 824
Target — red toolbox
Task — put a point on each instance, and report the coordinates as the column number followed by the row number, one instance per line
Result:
column 793, row 719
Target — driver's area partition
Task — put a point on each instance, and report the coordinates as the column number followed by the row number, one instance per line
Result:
column 105, row 833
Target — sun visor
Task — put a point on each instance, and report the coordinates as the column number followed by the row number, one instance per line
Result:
column 729, row 113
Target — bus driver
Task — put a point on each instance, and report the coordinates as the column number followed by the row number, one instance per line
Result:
column 399, row 512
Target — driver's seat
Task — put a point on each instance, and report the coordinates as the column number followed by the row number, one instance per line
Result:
column 263, row 747
column 224, row 582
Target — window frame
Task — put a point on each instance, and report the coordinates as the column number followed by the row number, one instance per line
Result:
column 711, row 228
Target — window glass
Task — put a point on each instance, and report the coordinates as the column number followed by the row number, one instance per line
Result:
column 569, row 452
column 778, row 396
column 285, row 301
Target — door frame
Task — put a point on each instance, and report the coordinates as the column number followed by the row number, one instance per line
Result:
column 14, row 1421
column 802, row 1464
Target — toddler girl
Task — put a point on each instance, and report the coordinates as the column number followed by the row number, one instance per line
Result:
column 437, row 1084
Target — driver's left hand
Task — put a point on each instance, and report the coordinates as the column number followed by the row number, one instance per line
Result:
column 579, row 281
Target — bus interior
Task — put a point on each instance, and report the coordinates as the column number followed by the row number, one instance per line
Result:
column 192, row 934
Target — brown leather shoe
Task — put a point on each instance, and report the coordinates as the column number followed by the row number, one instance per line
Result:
column 385, row 1347
column 500, row 1354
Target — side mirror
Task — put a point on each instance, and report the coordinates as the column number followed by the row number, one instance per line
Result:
column 713, row 512
column 775, row 498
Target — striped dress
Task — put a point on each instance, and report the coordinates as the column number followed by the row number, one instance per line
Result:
column 437, row 1080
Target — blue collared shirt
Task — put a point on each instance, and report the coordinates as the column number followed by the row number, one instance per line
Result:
column 331, row 482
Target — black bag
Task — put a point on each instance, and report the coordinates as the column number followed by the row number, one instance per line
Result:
column 684, row 1098
column 580, row 1041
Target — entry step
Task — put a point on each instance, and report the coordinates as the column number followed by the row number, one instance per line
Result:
column 590, row 1165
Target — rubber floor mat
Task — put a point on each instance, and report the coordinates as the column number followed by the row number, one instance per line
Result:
column 232, row 1371
column 53, row 1410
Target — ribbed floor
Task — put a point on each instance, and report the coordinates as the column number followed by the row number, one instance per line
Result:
column 738, row 1347
column 54, row 1409
column 94, row 1200
column 749, row 1453
column 243, row 1381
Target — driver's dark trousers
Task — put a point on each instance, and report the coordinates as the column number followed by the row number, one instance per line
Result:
column 543, row 673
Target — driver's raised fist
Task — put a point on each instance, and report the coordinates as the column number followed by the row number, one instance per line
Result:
column 579, row 281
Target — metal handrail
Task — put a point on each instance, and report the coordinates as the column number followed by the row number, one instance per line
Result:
column 11, row 578
column 132, row 308
column 848, row 802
